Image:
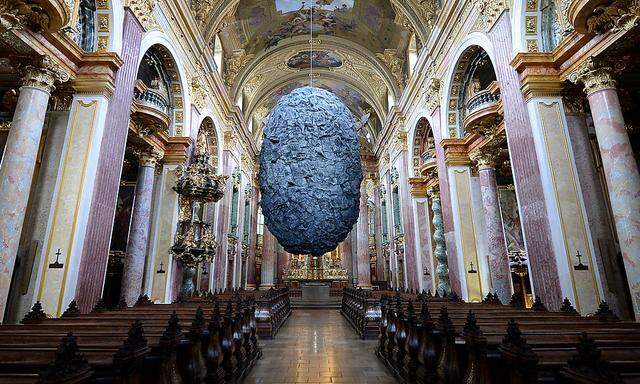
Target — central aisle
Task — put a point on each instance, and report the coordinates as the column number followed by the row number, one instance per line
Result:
column 318, row 346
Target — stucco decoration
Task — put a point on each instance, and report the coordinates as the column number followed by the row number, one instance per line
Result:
column 310, row 171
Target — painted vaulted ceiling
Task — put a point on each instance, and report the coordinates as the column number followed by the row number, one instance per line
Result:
column 359, row 53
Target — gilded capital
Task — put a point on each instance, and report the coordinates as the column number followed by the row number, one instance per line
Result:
column 150, row 158
column 596, row 75
column 484, row 159
column 43, row 75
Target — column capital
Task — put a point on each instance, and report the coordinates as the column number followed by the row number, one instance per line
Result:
column 150, row 158
column 596, row 74
column 484, row 159
column 43, row 74
column 433, row 192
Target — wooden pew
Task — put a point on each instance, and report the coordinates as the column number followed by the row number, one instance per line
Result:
column 142, row 344
column 491, row 343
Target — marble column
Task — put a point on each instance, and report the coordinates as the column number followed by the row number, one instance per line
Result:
column 345, row 254
column 134, row 261
column 364, row 269
column 222, row 228
column 19, row 160
column 269, row 248
column 600, row 224
column 95, row 251
column 496, row 246
column 378, row 236
column 253, row 236
column 620, row 167
column 440, row 252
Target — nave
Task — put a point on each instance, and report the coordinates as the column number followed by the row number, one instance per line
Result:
column 318, row 346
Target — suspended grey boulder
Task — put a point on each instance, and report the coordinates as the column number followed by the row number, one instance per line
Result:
column 310, row 172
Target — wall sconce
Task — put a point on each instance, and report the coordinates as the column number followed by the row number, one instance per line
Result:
column 57, row 264
column 426, row 271
column 161, row 270
column 471, row 268
column 580, row 266
column 205, row 272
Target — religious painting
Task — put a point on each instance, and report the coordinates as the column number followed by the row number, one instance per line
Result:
column 319, row 59
column 511, row 219
column 122, row 219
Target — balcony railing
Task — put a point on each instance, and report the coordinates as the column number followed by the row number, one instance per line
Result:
column 481, row 100
column 428, row 155
column 153, row 99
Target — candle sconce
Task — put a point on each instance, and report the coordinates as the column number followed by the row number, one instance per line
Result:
column 426, row 271
column 161, row 270
column 580, row 266
column 205, row 272
column 57, row 264
column 472, row 268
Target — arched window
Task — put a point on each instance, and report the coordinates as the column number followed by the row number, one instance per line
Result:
column 246, row 216
column 395, row 203
column 260, row 229
column 550, row 30
column 383, row 214
column 412, row 54
column 85, row 36
column 233, row 230
column 218, row 54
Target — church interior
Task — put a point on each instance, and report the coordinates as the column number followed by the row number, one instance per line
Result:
column 319, row 191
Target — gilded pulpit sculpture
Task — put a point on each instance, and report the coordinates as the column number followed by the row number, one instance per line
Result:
column 197, row 185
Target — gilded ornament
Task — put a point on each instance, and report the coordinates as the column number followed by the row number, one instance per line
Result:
column 532, row 45
column 596, row 74
column 484, row 159
column 489, row 10
column 394, row 63
column 43, row 74
column 234, row 64
column 19, row 14
column 617, row 16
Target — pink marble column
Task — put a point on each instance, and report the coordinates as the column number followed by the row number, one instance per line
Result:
column 408, row 221
column 496, row 246
column 620, row 167
column 19, row 163
column 378, row 233
column 595, row 204
column 526, row 172
column 424, row 234
column 222, row 228
column 253, row 236
column 95, row 251
column 139, row 230
column 364, row 272
column 346, row 255
column 444, row 201
column 269, row 248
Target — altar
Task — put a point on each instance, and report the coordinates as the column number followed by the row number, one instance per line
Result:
column 313, row 273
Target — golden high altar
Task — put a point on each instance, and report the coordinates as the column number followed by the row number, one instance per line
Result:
column 315, row 268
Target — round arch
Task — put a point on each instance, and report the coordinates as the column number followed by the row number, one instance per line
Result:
column 176, row 69
column 453, row 77
column 208, row 124
column 357, row 61
column 422, row 145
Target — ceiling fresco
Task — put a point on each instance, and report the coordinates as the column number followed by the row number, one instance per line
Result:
column 262, row 24
column 320, row 59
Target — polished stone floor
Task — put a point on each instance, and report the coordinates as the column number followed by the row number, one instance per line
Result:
column 318, row 346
